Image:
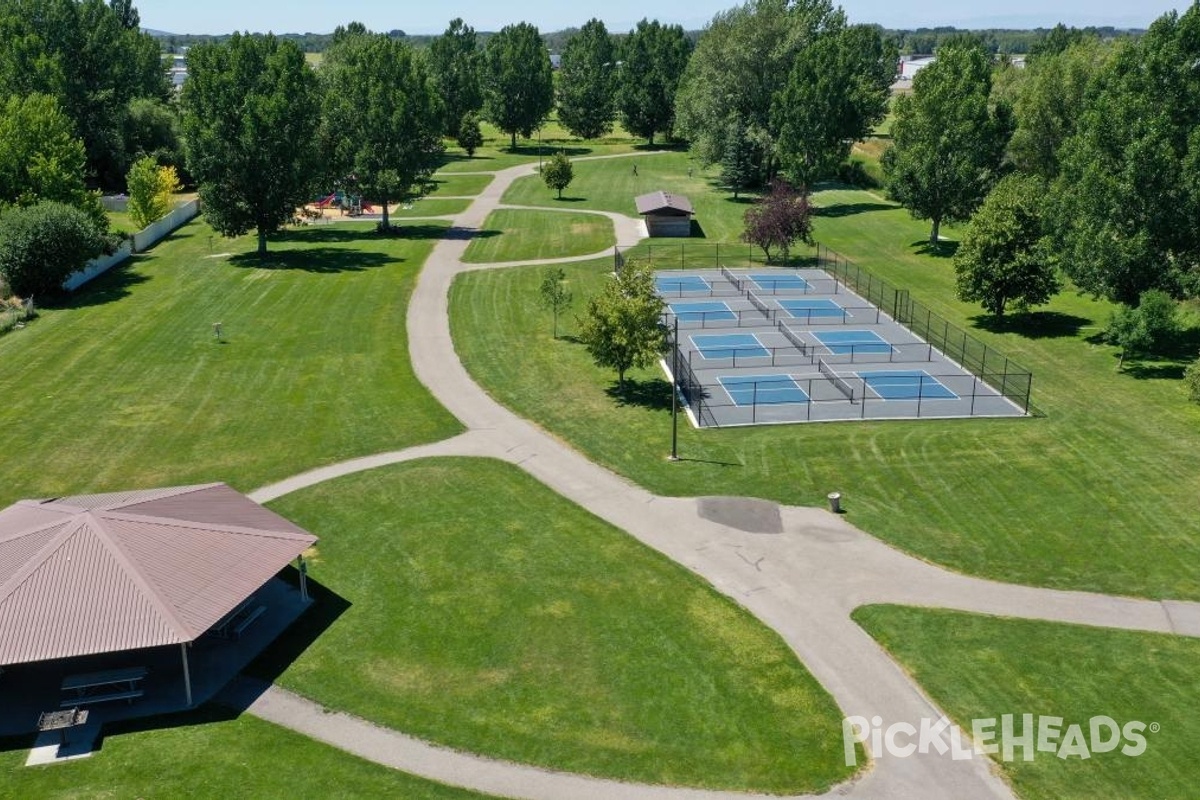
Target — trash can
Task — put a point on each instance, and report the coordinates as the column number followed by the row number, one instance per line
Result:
column 835, row 502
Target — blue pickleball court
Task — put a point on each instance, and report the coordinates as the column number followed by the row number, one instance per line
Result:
column 777, row 283
column 730, row 345
column 852, row 342
column 914, row 384
column 702, row 312
column 810, row 308
column 769, row 390
column 681, row 284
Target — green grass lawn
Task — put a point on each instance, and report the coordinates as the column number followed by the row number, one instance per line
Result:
column 495, row 154
column 511, row 235
column 612, row 186
column 120, row 222
column 978, row 667
column 1098, row 494
column 451, row 185
column 491, row 615
column 205, row 754
column 126, row 386
column 431, row 207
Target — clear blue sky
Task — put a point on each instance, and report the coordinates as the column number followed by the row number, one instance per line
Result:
column 322, row 16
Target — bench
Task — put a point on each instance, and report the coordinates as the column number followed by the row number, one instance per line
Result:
column 103, row 687
column 237, row 621
column 247, row 620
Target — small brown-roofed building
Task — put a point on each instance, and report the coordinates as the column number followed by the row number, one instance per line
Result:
column 109, row 573
column 666, row 214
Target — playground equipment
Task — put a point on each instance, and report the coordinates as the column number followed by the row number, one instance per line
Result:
column 352, row 204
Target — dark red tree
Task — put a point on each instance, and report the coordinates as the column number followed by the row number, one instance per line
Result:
column 779, row 220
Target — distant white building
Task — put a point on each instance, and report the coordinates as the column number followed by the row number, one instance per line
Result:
column 178, row 69
column 911, row 65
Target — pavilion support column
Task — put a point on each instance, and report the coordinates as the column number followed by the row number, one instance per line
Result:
column 187, row 675
column 302, row 566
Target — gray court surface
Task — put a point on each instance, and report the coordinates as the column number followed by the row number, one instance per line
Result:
column 763, row 345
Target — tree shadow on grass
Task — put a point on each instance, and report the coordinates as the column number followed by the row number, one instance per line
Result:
column 669, row 147
column 1154, row 370
column 1033, row 324
column 943, row 249
column 741, row 200
column 460, row 234
column 653, row 394
column 109, row 287
column 450, row 158
column 849, row 209
column 315, row 259
column 399, row 230
column 570, row 199
column 546, row 149
column 322, row 234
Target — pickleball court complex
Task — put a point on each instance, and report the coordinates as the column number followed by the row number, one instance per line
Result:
column 768, row 345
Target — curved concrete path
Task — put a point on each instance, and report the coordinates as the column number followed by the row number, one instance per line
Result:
column 803, row 582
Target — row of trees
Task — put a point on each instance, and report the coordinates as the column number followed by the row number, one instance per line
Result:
column 92, row 61
column 783, row 86
column 1083, row 167
column 508, row 81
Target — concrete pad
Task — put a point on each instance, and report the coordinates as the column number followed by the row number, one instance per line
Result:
column 741, row 513
column 48, row 748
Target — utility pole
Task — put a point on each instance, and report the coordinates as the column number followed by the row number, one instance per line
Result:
column 675, row 393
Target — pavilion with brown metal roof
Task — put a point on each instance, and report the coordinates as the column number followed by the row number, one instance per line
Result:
column 666, row 214
column 108, row 573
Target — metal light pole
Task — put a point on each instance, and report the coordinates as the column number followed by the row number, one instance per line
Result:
column 675, row 393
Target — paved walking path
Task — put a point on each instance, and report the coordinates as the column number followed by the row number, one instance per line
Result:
column 803, row 582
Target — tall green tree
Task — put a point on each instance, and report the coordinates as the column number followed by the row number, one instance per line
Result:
column 1125, row 204
column 518, row 84
column 42, row 159
column 1051, row 99
column 380, row 115
column 622, row 327
column 454, row 65
column 86, row 55
column 587, row 82
column 737, row 168
column 838, row 90
column 740, row 64
column 251, row 114
column 1004, row 258
column 653, row 58
column 948, row 140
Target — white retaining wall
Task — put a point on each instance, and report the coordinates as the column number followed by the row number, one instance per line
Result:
column 142, row 240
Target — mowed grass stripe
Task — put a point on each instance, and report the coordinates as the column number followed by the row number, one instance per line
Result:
column 512, row 235
column 1099, row 494
column 208, row 754
column 978, row 667
column 486, row 613
column 612, row 186
column 128, row 386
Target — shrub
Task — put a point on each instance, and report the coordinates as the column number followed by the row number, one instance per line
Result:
column 42, row 244
column 470, row 137
column 1191, row 380
column 150, row 191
